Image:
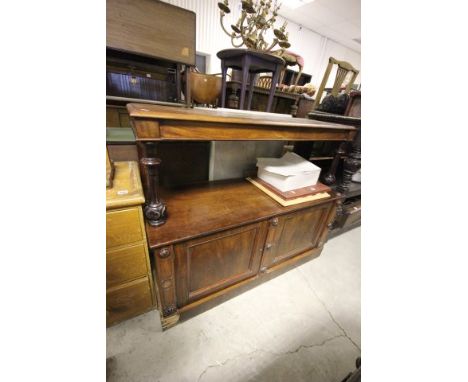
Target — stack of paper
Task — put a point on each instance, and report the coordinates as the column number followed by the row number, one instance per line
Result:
column 288, row 173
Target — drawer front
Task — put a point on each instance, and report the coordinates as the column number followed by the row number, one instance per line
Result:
column 293, row 234
column 123, row 227
column 128, row 301
column 126, row 264
column 206, row 265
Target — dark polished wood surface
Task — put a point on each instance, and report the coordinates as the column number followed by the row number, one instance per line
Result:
column 158, row 123
column 219, row 236
column 211, row 263
column 195, row 271
column 212, row 207
column 293, row 234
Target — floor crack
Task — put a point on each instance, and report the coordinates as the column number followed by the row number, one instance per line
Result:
column 329, row 313
column 224, row 363
column 300, row 347
column 309, row 346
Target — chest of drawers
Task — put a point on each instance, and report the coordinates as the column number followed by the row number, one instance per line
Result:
column 128, row 271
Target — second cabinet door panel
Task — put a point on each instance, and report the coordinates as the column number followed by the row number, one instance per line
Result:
column 211, row 263
column 294, row 234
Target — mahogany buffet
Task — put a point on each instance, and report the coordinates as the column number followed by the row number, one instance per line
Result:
column 208, row 240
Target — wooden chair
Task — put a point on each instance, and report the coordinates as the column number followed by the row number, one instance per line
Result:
column 343, row 69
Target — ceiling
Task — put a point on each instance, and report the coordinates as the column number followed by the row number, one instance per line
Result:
column 339, row 20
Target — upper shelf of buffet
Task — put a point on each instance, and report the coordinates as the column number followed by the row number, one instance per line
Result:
column 157, row 122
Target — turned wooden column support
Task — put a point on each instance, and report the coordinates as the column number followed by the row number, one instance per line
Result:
column 166, row 281
column 155, row 209
column 330, row 176
column 351, row 164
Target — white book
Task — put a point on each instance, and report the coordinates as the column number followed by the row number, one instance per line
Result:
column 289, row 172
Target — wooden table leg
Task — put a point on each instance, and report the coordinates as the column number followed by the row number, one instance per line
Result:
column 253, row 79
column 245, row 78
column 154, row 209
column 274, row 81
column 223, row 86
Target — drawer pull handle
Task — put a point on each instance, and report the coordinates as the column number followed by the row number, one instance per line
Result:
column 268, row 246
column 274, row 222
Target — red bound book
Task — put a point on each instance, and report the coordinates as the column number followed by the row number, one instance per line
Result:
column 297, row 193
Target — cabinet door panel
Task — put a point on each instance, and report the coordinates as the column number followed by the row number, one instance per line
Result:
column 208, row 264
column 294, row 234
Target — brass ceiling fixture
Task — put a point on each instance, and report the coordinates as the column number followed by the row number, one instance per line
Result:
column 256, row 18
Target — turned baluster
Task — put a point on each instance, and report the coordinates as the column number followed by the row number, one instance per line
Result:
column 155, row 209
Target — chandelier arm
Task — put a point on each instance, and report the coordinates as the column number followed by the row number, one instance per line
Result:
column 273, row 44
column 222, row 25
column 234, row 45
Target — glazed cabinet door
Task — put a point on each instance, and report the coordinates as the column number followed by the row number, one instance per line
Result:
column 211, row 263
column 292, row 234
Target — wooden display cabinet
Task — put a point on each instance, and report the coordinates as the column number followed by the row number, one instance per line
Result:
column 209, row 239
column 222, row 234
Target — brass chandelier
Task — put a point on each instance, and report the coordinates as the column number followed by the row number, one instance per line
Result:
column 256, row 18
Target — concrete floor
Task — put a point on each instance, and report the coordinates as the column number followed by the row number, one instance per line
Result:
column 304, row 325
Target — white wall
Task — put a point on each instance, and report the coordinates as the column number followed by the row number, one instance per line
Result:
column 315, row 48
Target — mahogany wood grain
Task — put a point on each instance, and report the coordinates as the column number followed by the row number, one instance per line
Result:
column 213, row 207
column 216, row 233
column 242, row 286
column 188, row 130
column 292, row 234
column 164, row 264
column 156, row 122
column 208, row 264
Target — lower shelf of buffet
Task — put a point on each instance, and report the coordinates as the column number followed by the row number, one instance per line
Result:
column 215, row 206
